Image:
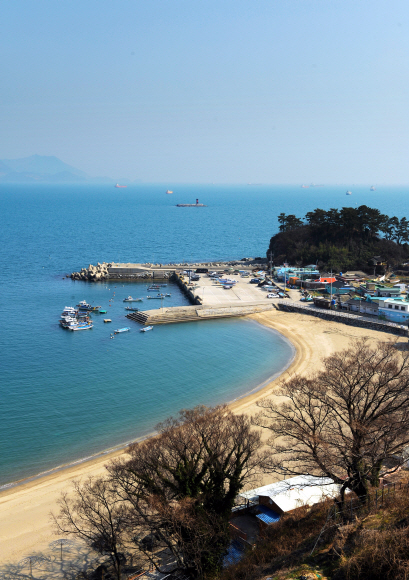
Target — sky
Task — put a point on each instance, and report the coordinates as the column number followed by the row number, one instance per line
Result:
column 202, row 91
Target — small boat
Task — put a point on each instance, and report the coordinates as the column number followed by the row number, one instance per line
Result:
column 117, row 185
column 81, row 326
column 95, row 308
column 130, row 299
column 102, row 311
column 119, row 330
column 372, row 188
column 107, row 320
column 131, row 309
column 67, row 321
column 69, row 311
column 155, row 288
column 168, row 191
column 146, row 328
column 154, row 297
column 349, row 192
column 162, row 284
column 168, row 294
column 83, row 305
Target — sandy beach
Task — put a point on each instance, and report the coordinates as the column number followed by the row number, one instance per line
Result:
column 25, row 527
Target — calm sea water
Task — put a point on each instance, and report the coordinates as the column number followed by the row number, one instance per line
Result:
column 64, row 395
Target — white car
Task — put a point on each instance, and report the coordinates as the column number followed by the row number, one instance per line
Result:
column 272, row 295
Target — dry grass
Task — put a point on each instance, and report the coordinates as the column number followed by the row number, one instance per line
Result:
column 374, row 546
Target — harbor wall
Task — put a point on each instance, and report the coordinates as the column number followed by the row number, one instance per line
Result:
column 350, row 319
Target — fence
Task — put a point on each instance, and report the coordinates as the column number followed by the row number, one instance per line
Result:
column 354, row 508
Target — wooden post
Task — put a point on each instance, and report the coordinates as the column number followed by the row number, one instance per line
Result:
column 376, row 500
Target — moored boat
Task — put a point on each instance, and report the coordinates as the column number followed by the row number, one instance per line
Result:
column 130, row 299
column 83, row 305
column 131, row 309
column 81, row 326
column 119, row 330
column 146, row 328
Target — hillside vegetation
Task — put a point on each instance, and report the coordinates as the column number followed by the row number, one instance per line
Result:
column 341, row 240
column 372, row 544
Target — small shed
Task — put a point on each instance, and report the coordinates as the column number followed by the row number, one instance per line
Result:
column 289, row 494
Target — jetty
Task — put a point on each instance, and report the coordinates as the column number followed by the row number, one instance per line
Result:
column 195, row 313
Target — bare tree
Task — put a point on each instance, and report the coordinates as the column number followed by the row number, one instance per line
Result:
column 345, row 422
column 181, row 484
column 96, row 514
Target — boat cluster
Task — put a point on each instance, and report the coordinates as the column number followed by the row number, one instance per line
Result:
column 78, row 318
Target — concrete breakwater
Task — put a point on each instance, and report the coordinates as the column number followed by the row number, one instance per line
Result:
column 115, row 270
column 112, row 271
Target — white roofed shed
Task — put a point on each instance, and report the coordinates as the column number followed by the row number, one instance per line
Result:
column 289, row 494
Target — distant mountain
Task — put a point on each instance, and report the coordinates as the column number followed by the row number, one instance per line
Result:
column 39, row 168
column 45, row 169
column 42, row 165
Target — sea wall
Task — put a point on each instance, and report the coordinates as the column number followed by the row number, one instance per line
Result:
column 345, row 318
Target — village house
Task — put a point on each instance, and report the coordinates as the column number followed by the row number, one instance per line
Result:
column 395, row 310
column 360, row 305
column 339, row 288
column 388, row 291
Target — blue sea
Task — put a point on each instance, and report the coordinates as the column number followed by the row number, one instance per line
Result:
column 67, row 395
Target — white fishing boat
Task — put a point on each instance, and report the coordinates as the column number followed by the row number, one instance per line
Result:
column 66, row 321
column 130, row 299
column 349, row 192
column 69, row 311
column 146, row 328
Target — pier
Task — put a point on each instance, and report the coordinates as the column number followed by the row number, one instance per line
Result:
column 195, row 313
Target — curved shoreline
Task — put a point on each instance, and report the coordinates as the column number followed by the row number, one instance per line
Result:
column 117, row 450
column 25, row 526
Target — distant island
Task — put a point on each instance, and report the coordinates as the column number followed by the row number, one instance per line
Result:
column 348, row 239
column 45, row 169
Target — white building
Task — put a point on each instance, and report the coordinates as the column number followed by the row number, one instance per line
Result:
column 289, row 494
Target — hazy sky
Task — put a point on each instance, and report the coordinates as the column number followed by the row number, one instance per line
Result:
column 271, row 91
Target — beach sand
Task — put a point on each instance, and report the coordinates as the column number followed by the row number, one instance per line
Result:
column 25, row 526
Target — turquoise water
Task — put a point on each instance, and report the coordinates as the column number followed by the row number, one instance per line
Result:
column 65, row 395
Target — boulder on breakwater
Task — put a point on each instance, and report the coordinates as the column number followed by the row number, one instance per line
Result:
column 93, row 273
